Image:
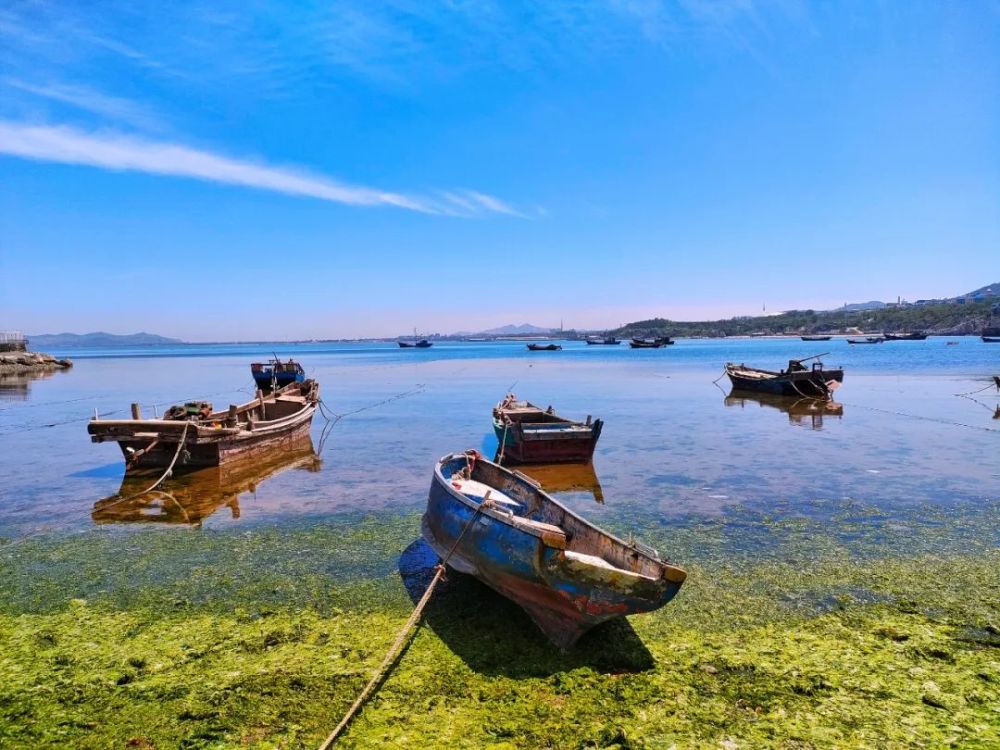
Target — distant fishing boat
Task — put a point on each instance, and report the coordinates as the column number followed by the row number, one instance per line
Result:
column 422, row 344
column 651, row 343
column 815, row 338
column 192, row 435
column 867, row 340
column 914, row 336
column 606, row 341
column 529, row 434
column 276, row 374
column 989, row 339
column 566, row 573
column 797, row 380
column 544, row 347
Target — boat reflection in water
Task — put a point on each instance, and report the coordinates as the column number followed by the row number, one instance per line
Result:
column 556, row 478
column 800, row 411
column 191, row 497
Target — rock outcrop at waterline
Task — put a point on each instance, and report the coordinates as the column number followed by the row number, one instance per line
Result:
column 26, row 363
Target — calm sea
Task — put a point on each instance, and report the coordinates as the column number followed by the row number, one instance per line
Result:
column 673, row 443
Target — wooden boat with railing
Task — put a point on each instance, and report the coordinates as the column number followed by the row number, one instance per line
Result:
column 565, row 572
column 530, row 434
column 797, row 380
column 193, row 435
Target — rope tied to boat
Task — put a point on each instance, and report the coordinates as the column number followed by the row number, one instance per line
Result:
column 163, row 476
column 397, row 645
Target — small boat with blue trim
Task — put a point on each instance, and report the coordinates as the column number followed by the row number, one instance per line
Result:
column 275, row 374
column 530, row 434
column 566, row 573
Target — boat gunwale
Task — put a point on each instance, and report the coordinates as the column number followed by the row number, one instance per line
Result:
column 508, row 516
column 170, row 430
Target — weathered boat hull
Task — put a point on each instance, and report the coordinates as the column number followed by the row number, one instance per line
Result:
column 222, row 451
column 261, row 427
column 815, row 338
column 555, row 445
column 563, row 596
column 809, row 384
column 905, row 336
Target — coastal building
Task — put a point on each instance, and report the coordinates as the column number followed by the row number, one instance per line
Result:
column 13, row 341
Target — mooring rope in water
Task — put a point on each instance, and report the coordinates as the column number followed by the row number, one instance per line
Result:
column 164, row 475
column 994, row 384
column 920, row 416
column 397, row 645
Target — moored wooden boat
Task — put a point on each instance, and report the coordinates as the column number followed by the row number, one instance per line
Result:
column 797, row 380
column 422, row 344
column 912, row 336
column 566, row 573
column 989, row 339
column 200, row 437
column 651, row 343
column 815, row 338
column 530, row 434
column 867, row 340
column 544, row 347
column 276, row 374
column 606, row 341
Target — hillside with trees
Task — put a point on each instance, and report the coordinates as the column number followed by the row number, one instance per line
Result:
column 947, row 318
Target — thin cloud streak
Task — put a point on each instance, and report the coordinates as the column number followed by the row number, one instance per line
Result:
column 89, row 100
column 118, row 152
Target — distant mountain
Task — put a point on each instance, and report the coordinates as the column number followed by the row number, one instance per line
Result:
column 525, row 329
column 97, row 339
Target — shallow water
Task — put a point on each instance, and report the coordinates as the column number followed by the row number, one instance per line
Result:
column 673, row 444
column 246, row 606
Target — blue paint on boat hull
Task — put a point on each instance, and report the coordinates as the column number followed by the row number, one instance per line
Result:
column 562, row 597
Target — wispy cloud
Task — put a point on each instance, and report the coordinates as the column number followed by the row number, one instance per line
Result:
column 87, row 99
column 118, row 152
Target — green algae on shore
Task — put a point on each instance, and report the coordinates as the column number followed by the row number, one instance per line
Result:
column 793, row 633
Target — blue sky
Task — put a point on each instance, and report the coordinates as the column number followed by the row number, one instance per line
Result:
column 258, row 170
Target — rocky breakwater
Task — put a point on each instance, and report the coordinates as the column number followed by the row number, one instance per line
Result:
column 30, row 363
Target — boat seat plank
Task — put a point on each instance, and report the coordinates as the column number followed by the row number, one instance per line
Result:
column 477, row 491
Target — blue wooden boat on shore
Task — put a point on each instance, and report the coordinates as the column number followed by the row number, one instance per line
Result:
column 275, row 374
column 567, row 574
